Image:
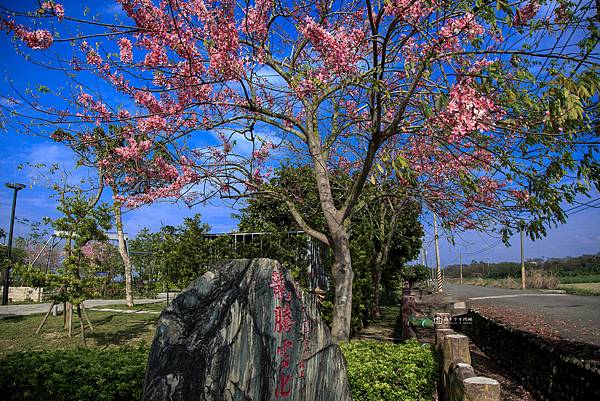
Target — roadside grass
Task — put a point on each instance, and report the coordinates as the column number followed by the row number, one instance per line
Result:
column 581, row 288
column 584, row 278
column 110, row 329
column 588, row 284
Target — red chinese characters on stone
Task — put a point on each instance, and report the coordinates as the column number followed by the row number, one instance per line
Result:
column 278, row 286
column 284, row 385
column 283, row 324
column 283, row 319
column 283, row 352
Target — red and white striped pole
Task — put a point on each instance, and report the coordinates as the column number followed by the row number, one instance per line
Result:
column 437, row 255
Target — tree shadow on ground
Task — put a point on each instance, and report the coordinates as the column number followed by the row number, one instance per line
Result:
column 128, row 330
column 11, row 318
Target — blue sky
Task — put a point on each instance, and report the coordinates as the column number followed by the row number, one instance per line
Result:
column 580, row 235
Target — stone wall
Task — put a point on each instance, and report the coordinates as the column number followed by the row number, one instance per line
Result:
column 549, row 370
column 21, row 294
column 458, row 381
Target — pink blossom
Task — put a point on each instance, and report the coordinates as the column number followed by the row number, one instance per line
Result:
column 520, row 195
column 257, row 17
column 409, row 10
column 466, row 24
column 134, row 150
column 56, row 8
column 126, row 50
column 339, row 49
column 467, row 111
column 38, row 40
column 526, row 13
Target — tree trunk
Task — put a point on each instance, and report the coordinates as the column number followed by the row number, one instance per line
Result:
column 124, row 254
column 376, row 277
column 343, row 277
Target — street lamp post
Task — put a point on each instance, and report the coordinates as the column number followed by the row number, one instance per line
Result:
column 15, row 187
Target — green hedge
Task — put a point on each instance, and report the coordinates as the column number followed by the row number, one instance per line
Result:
column 390, row 372
column 377, row 372
column 115, row 374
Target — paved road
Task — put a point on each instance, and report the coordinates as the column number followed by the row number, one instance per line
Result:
column 579, row 315
column 32, row 309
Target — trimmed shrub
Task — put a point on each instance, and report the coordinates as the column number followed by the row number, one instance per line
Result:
column 380, row 371
column 377, row 372
column 76, row 374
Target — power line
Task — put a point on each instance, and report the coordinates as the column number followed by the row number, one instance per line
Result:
column 593, row 204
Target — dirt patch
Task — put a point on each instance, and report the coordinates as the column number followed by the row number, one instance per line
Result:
column 485, row 366
column 544, row 327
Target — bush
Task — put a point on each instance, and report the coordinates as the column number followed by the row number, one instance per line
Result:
column 377, row 372
column 380, row 371
column 541, row 279
column 76, row 374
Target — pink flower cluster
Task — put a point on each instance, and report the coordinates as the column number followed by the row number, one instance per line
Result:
column 339, row 50
column 449, row 40
column 521, row 195
column 467, row 111
column 152, row 123
column 260, row 155
column 176, row 183
column 56, row 8
column 409, row 10
column 39, row 39
column 256, row 20
column 97, row 107
column 134, row 150
column 466, row 24
column 125, row 50
column 526, row 13
column 148, row 100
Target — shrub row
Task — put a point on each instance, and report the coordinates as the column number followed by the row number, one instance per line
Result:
column 115, row 374
column 376, row 371
column 380, row 371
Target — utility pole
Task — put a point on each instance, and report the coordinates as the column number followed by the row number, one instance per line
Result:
column 460, row 258
column 522, row 262
column 16, row 188
column 424, row 254
column 437, row 255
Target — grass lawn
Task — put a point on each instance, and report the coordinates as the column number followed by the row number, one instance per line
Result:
column 156, row 307
column 382, row 327
column 110, row 329
column 581, row 288
column 583, row 278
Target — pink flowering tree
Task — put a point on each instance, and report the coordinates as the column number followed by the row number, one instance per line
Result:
column 484, row 112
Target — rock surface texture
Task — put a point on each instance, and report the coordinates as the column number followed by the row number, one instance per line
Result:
column 244, row 331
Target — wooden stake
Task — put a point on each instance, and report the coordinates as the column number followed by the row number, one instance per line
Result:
column 87, row 318
column 70, row 318
column 81, row 323
column 44, row 319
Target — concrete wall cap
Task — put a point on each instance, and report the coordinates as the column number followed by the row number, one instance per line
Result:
column 481, row 380
column 455, row 336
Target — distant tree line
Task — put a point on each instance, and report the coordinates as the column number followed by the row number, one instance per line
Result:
column 568, row 266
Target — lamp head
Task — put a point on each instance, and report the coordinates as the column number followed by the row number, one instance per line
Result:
column 14, row 185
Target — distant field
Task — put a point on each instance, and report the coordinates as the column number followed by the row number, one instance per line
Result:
column 584, row 278
column 581, row 288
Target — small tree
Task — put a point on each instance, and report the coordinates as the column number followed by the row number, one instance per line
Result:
column 466, row 99
column 413, row 274
column 83, row 221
